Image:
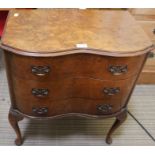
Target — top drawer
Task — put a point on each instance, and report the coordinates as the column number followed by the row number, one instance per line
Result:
column 75, row 65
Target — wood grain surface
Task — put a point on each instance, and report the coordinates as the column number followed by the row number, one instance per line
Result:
column 74, row 65
column 54, row 30
column 75, row 83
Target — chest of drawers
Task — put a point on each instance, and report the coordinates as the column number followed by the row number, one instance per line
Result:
column 63, row 62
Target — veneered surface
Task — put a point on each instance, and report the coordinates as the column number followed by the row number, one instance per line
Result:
column 75, row 83
column 71, row 95
column 74, row 65
column 55, row 30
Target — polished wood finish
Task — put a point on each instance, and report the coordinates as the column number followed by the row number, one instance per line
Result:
column 72, row 65
column 72, row 86
column 14, row 118
column 84, row 26
column 119, row 120
column 50, row 80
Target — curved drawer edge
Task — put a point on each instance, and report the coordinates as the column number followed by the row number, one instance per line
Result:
column 75, row 51
column 70, row 114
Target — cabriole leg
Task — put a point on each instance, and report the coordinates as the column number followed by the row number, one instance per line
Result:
column 119, row 120
column 14, row 118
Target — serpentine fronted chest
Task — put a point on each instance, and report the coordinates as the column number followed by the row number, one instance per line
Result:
column 63, row 62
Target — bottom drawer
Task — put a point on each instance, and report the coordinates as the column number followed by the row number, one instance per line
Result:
column 73, row 105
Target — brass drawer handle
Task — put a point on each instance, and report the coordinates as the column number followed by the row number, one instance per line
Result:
column 118, row 70
column 39, row 92
column 40, row 70
column 40, row 111
column 111, row 91
column 104, row 108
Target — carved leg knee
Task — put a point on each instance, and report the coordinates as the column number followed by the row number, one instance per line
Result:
column 14, row 118
column 119, row 120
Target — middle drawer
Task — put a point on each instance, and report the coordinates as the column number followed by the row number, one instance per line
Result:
column 28, row 92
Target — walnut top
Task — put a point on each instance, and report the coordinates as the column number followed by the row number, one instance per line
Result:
column 54, row 31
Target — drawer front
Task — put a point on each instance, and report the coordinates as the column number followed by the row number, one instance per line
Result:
column 71, row 105
column 149, row 28
column 31, row 90
column 71, row 88
column 107, row 90
column 76, row 65
column 40, row 97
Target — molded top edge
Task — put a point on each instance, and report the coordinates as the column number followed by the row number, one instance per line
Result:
column 76, row 51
